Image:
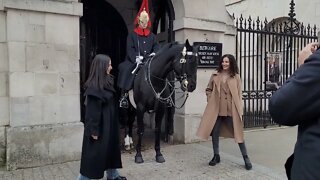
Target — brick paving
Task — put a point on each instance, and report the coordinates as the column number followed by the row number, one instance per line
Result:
column 185, row 162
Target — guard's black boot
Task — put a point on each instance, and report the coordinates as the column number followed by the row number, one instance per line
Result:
column 247, row 162
column 215, row 160
column 124, row 100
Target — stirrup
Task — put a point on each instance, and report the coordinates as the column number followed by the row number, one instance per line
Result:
column 124, row 102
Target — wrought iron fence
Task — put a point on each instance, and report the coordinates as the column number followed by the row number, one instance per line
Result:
column 257, row 43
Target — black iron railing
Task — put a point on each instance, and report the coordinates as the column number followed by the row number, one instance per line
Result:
column 259, row 41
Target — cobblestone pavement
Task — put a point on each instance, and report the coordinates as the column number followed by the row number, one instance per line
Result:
column 186, row 161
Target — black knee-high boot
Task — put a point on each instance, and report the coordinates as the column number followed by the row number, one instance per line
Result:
column 215, row 143
column 216, row 158
column 246, row 159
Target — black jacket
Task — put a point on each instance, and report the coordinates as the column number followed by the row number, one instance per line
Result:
column 101, row 119
column 297, row 102
column 136, row 45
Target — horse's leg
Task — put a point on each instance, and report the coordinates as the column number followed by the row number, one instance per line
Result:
column 170, row 126
column 124, row 113
column 170, row 110
column 132, row 117
column 166, row 124
column 159, row 116
column 138, row 157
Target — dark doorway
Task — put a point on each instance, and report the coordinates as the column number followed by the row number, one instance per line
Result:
column 163, row 20
column 102, row 31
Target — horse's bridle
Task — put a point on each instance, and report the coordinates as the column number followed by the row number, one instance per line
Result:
column 182, row 78
column 183, row 62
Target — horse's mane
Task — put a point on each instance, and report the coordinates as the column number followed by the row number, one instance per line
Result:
column 168, row 46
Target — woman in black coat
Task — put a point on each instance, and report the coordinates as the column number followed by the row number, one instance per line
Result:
column 100, row 147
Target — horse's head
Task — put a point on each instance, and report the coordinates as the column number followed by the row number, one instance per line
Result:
column 186, row 67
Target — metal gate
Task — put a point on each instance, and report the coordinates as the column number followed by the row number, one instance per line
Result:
column 259, row 42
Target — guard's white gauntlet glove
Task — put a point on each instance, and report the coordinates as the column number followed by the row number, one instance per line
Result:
column 139, row 59
column 152, row 54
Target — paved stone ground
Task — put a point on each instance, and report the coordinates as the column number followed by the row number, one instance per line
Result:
column 186, row 161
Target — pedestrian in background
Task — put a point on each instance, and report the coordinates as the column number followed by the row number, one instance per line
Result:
column 223, row 113
column 100, row 146
column 297, row 102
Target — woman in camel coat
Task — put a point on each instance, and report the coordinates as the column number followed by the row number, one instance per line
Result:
column 223, row 113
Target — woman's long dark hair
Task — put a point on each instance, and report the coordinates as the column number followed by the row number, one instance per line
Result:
column 98, row 78
column 233, row 67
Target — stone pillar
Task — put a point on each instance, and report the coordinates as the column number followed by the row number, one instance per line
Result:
column 39, row 87
column 4, row 94
column 208, row 22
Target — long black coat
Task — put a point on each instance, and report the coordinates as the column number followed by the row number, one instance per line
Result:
column 297, row 102
column 101, row 119
column 135, row 44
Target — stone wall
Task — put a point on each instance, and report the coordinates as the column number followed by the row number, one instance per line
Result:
column 39, row 75
column 209, row 22
column 4, row 91
column 39, row 92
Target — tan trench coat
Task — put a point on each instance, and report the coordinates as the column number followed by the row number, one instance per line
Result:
column 212, row 109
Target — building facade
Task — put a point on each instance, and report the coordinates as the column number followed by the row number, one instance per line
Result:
column 306, row 11
column 45, row 49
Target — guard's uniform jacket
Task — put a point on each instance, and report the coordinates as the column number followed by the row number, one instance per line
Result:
column 135, row 44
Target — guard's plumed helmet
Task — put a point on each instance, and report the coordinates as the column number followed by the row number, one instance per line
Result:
column 144, row 16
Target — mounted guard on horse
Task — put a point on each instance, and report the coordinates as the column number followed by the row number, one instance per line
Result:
column 151, row 87
column 141, row 45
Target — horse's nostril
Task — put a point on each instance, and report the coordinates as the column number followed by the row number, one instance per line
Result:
column 192, row 87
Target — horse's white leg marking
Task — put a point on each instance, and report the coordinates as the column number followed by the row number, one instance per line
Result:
column 127, row 142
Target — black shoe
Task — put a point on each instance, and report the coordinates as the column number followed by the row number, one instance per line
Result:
column 124, row 102
column 247, row 162
column 215, row 160
column 119, row 178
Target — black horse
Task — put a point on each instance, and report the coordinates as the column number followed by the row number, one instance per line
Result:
column 151, row 90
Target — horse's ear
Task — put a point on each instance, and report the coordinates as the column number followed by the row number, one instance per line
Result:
column 188, row 46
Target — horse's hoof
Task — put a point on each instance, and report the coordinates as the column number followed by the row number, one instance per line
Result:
column 171, row 139
column 138, row 159
column 127, row 147
column 160, row 159
column 165, row 139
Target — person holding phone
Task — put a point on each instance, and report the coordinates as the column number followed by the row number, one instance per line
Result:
column 297, row 103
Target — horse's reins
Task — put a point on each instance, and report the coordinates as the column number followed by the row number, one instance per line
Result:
column 157, row 94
